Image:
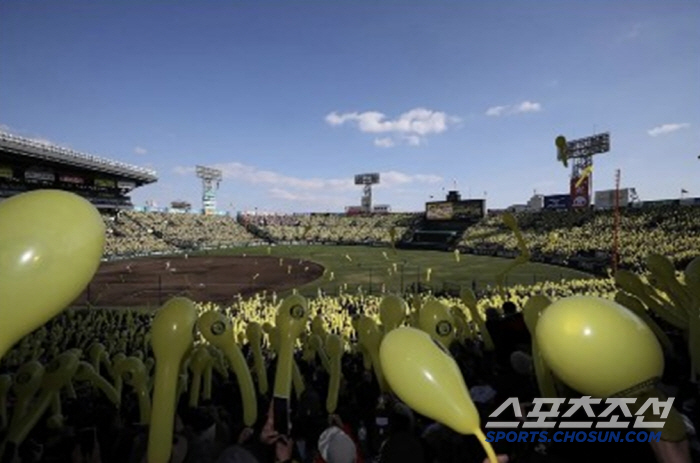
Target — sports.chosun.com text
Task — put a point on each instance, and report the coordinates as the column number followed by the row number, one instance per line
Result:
column 573, row 436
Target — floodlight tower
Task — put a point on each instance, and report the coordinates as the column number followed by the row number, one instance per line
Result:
column 581, row 152
column 367, row 180
column 210, row 184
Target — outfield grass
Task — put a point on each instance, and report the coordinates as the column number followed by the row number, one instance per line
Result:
column 368, row 267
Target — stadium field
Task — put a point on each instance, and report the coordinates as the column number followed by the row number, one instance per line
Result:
column 220, row 276
column 372, row 268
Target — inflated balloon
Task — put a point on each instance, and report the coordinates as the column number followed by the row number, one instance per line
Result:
column 200, row 361
column 317, row 327
column 133, row 371
column 435, row 319
column 116, row 376
column 663, row 271
column 562, row 150
column 217, row 329
column 392, row 312
column 462, row 329
column 636, row 306
column 27, row 382
column 308, row 353
column 171, row 339
column 692, row 279
column 510, row 221
column 631, row 283
column 272, row 336
column 52, row 240
column 59, row 372
column 469, row 299
column 86, row 372
column 429, row 381
column 580, row 339
column 692, row 282
column 254, row 335
column 334, row 348
column 371, row 339
column 532, row 310
column 316, row 343
column 290, row 321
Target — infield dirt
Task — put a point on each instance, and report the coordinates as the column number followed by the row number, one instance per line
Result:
column 219, row 279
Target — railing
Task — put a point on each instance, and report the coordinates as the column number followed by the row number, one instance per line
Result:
column 63, row 154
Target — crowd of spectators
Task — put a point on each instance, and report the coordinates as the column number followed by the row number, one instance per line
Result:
column 333, row 228
column 140, row 233
column 673, row 231
column 367, row 426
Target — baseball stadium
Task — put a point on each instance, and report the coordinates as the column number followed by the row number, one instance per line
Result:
column 357, row 274
column 349, row 232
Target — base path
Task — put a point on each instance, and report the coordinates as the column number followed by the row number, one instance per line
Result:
column 152, row 280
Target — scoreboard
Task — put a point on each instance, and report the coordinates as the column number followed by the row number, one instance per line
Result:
column 470, row 209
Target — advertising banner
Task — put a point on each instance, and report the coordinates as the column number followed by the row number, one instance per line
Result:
column 580, row 196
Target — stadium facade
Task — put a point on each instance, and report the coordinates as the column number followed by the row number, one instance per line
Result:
column 27, row 164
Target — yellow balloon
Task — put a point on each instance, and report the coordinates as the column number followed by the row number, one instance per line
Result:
column 371, row 338
column 116, row 376
column 26, row 384
column 171, row 339
column 86, row 372
column 469, row 299
column 291, row 319
column 98, row 354
column 134, row 373
column 51, row 243
column 429, row 381
column 597, row 346
column 532, row 310
column 334, row 348
column 435, row 319
column 462, row 329
column 218, row 331
column 199, row 362
column 692, row 279
column 635, row 305
column 392, row 312
column 318, row 328
column 254, row 335
column 57, row 375
column 316, row 343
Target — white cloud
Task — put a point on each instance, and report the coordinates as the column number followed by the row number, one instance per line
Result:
column 393, row 178
column 140, row 150
column 295, row 188
column 496, row 110
column 253, row 175
column 527, row 107
column 386, row 142
column 667, row 128
column 411, row 126
column 524, row 107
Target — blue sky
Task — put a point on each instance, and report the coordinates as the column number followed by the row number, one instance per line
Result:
column 292, row 98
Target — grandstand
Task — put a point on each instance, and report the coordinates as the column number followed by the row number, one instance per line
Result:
column 27, row 164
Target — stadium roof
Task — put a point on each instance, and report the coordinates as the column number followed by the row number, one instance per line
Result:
column 49, row 152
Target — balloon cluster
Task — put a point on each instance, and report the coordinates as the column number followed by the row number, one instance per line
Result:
column 576, row 340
